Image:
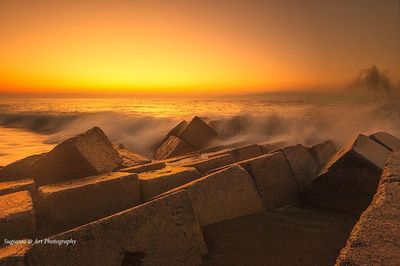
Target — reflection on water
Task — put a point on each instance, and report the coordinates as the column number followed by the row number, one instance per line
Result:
column 166, row 107
column 16, row 144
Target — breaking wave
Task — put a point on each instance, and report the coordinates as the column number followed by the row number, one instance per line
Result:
column 339, row 122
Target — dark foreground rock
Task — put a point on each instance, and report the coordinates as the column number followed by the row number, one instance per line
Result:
column 17, row 217
column 76, row 202
column 161, row 232
column 375, row 238
column 350, row 179
column 223, row 195
column 274, row 179
column 87, row 154
column 288, row 236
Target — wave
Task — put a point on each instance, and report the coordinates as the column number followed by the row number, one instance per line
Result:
column 338, row 122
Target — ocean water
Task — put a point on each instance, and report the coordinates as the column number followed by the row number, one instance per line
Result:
column 35, row 125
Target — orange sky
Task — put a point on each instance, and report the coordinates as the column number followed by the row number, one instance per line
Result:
column 211, row 46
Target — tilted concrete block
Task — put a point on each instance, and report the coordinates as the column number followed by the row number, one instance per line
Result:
column 159, row 181
column 389, row 141
column 323, row 152
column 18, row 169
column 160, row 232
column 76, row 202
column 302, row 163
column 172, row 147
column 208, row 164
column 197, row 133
column 350, row 179
column 223, row 195
column 87, row 154
column 17, row 216
column 144, row 168
column 18, row 185
column 274, row 179
column 129, row 158
column 13, row 255
column 246, row 152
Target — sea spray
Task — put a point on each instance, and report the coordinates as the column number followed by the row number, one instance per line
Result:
column 305, row 122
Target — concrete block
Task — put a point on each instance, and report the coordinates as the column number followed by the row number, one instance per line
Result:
column 144, row 168
column 159, row 181
column 197, row 133
column 302, row 163
column 172, row 147
column 208, row 164
column 160, row 232
column 17, row 216
column 18, row 185
column 389, row 141
column 223, row 195
column 274, row 179
column 246, row 152
column 87, row 154
column 76, row 202
column 350, row 179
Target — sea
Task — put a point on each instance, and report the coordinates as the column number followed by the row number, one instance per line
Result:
column 32, row 125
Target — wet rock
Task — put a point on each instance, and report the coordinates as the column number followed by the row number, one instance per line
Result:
column 160, row 232
column 246, row 152
column 197, row 133
column 172, row 147
column 323, row 152
column 17, row 217
column 223, row 195
column 274, row 179
column 208, row 164
column 389, row 141
column 302, row 163
column 144, row 168
column 18, row 185
column 374, row 239
column 87, row 154
column 76, row 202
column 18, row 169
column 130, row 158
column 159, row 181
column 349, row 180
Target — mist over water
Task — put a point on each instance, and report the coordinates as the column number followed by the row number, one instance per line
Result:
column 141, row 124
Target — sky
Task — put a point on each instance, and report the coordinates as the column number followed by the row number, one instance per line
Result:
column 189, row 46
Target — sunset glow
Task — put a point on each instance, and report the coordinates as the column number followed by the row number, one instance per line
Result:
column 190, row 46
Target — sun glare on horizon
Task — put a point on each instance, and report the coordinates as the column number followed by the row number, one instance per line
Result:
column 193, row 46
